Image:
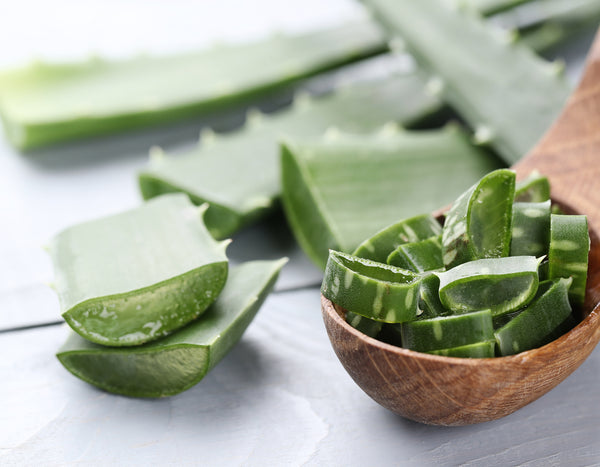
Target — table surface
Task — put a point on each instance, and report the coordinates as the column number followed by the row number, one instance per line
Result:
column 280, row 397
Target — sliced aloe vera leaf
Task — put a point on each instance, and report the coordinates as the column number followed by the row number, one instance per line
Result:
column 533, row 189
column 501, row 285
column 44, row 104
column 329, row 206
column 425, row 255
column 485, row 349
column 136, row 276
column 480, row 71
column 478, row 223
column 569, row 249
column 370, row 289
column 177, row 362
column 536, row 325
column 239, row 197
column 429, row 297
column 445, row 332
column 530, row 229
column 367, row 326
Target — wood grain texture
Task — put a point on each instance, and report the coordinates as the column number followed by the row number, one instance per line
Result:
column 452, row 391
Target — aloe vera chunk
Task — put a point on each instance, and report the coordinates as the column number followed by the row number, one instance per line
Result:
column 136, row 276
column 533, row 189
column 537, row 324
column 422, row 256
column 478, row 223
column 177, row 362
column 569, row 249
column 530, row 229
column 508, row 95
column 367, row 326
column 430, row 304
column 329, row 206
column 485, row 349
column 239, row 197
column 501, row 285
column 445, row 332
column 374, row 290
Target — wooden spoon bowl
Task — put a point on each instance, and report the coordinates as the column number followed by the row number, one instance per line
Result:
column 459, row 391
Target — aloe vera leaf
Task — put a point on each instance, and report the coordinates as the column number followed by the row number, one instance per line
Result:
column 422, row 256
column 329, row 206
column 370, row 289
column 530, row 229
column 569, row 249
column 177, row 362
column 429, row 298
column 501, row 285
column 478, row 223
column 491, row 7
column 44, row 104
column 367, row 326
column 136, row 276
column 508, row 95
column 445, row 332
column 485, row 349
column 537, row 324
column 239, row 197
column 533, row 189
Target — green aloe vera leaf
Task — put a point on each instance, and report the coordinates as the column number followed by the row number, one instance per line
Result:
column 501, row 285
column 44, row 104
column 370, row 289
column 569, row 249
column 137, row 276
column 491, row 7
column 536, row 325
column 429, row 298
column 530, row 229
column 239, row 197
column 367, row 326
column 379, row 246
column 425, row 255
column 339, row 191
column 445, row 332
column 478, row 223
column 177, row 362
column 485, row 349
column 533, row 189
column 500, row 87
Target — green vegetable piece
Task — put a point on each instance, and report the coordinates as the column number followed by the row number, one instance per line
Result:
column 536, row 325
column 422, row 256
column 136, row 276
column 367, row 326
column 429, row 298
column 480, row 71
column 569, row 249
column 44, row 104
column 501, row 285
column 329, row 206
column 373, row 290
column 239, row 197
column 478, row 223
column 530, row 229
column 177, row 362
column 477, row 350
column 490, row 7
column 533, row 189
column 446, row 332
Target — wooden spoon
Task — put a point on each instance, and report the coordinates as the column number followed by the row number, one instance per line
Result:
column 460, row 391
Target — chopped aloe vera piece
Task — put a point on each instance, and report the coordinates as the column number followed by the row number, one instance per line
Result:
column 329, row 206
column 533, row 189
column 569, row 249
column 239, row 197
column 499, row 284
column 367, row 326
column 478, row 350
column 536, row 324
column 478, row 223
column 379, row 246
column 177, row 362
column 530, row 229
column 429, row 298
column 44, row 104
column 479, row 71
column 544, row 270
column 422, row 256
column 373, row 290
column 136, row 276
column 445, row 332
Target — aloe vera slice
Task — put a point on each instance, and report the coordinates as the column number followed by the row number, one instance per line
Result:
column 422, row 256
column 136, row 276
column 477, row 350
column 530, row 229
column 478, row 223
column 533, row 189
column 499, row 284
column 239, row 197
column 569, row 249
column 445, row 332
column 44, row 104
column 367, row 326
column 536, row 325
column 429, row 298
column 373, row 290
column 329, row 206
column 480, row 71
column 177, row 362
